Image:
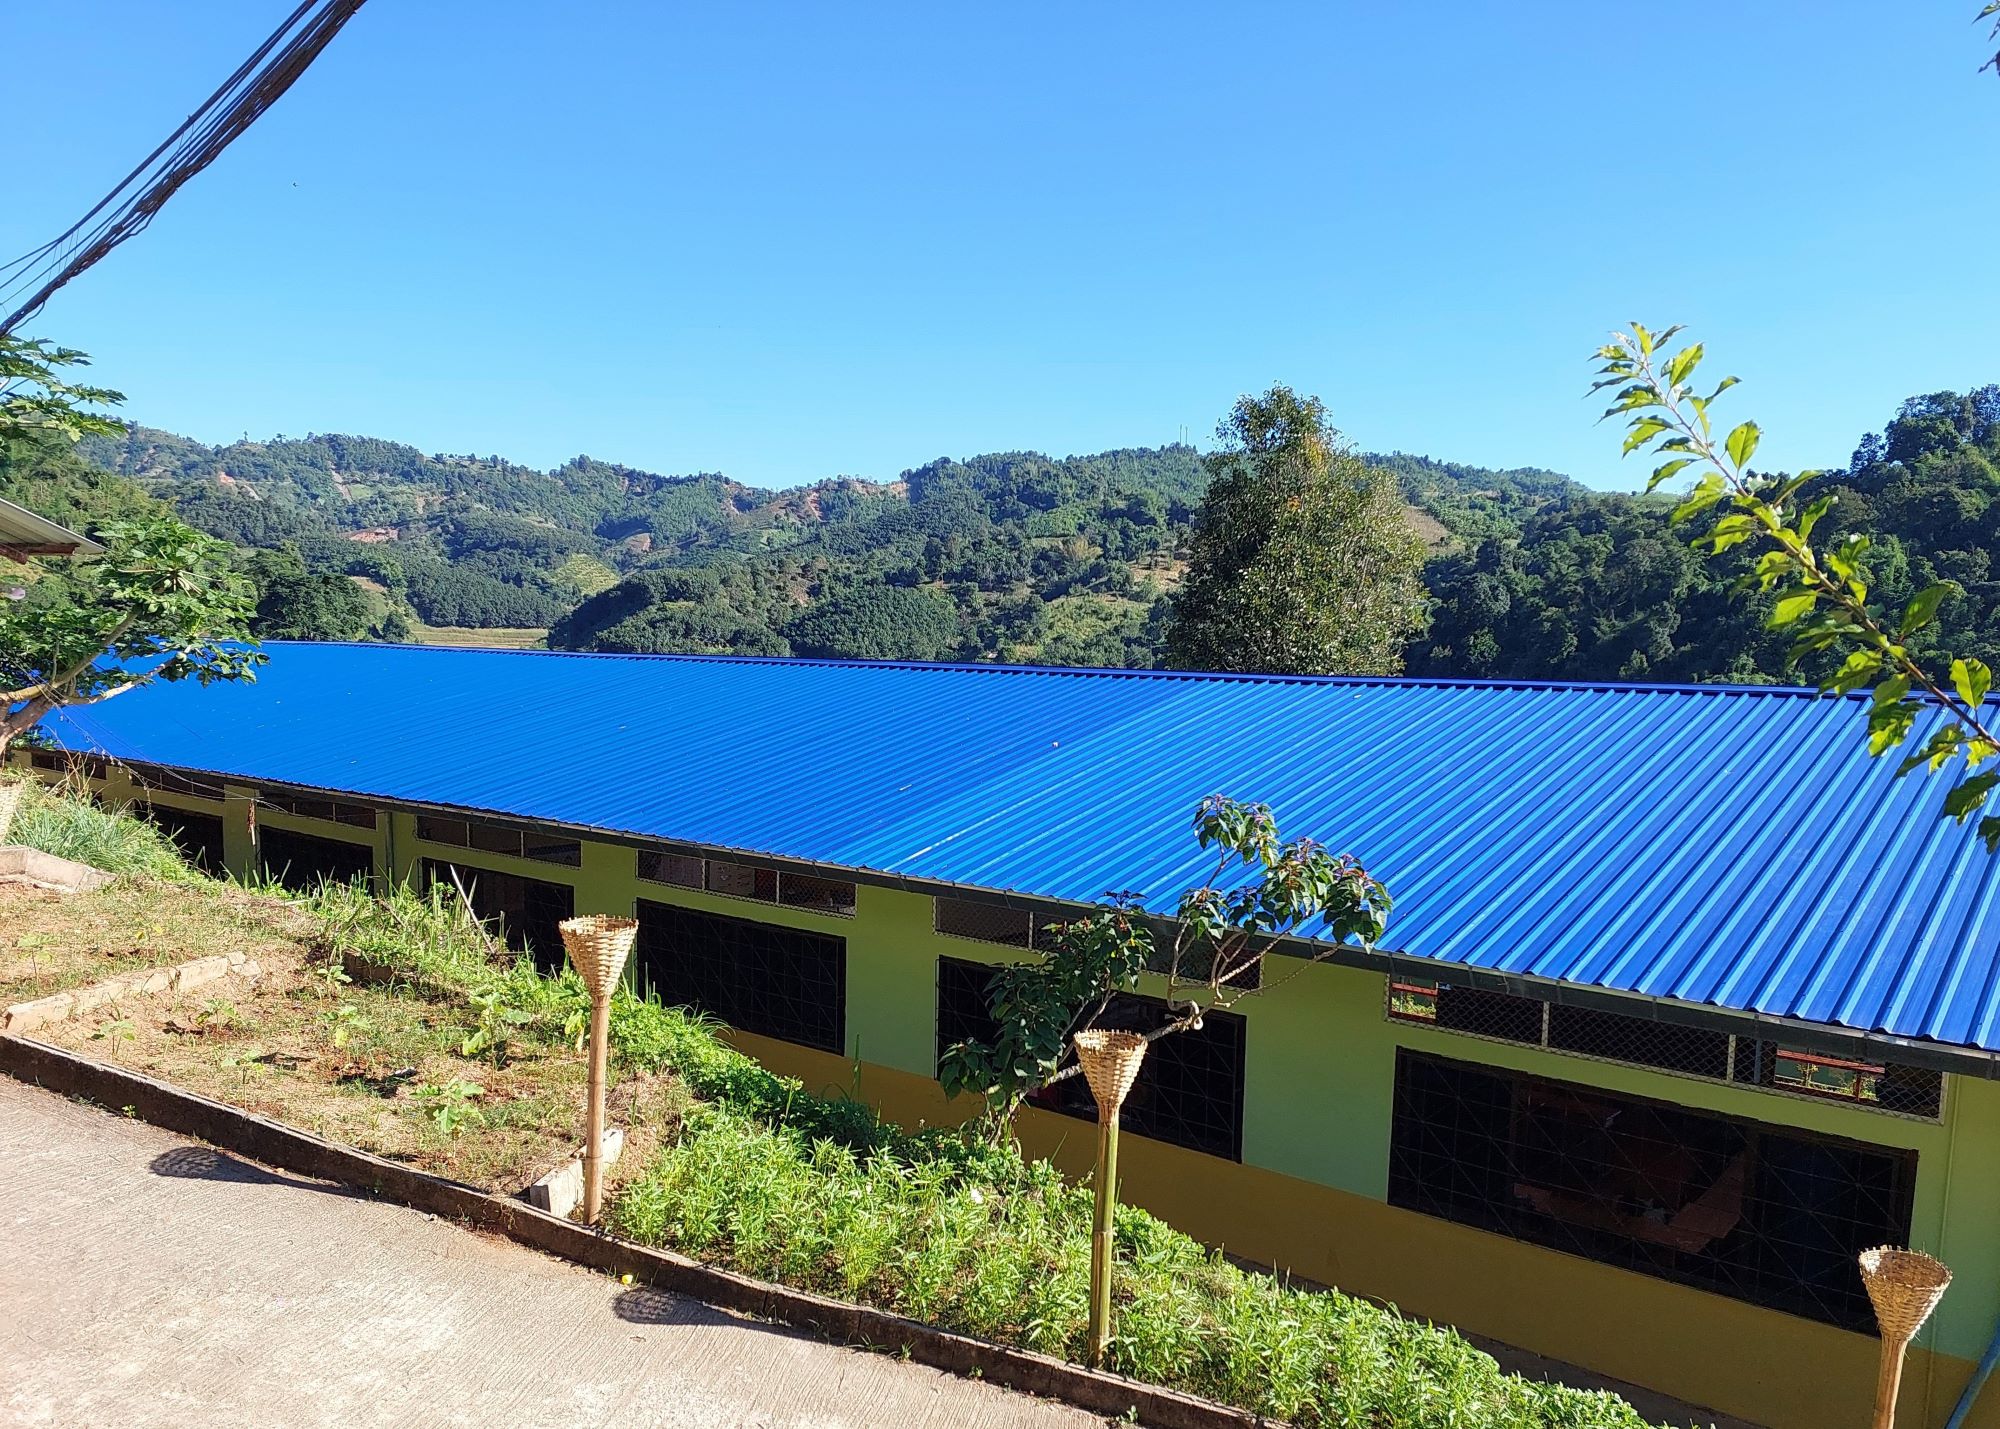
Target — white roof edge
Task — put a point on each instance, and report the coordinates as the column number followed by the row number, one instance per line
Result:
column 21, row 527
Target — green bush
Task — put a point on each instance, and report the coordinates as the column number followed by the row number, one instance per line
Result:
column 70, row 826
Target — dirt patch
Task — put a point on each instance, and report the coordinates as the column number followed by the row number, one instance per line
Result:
column 52, row 941
column 380, row 1068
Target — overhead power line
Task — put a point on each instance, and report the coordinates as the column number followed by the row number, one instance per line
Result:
column 257, row 84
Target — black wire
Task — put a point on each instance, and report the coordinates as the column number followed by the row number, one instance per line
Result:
column 257, row 84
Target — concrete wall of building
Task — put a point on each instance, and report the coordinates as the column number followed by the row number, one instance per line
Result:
column 1309, row 1194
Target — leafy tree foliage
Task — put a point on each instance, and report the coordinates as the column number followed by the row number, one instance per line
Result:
column 294, row 603
column 876, row 622
column 1302, row 560
column 1823, row 597
column 38, row 402
column 1221, row 937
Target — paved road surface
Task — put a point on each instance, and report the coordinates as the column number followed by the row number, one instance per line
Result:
column 148, row 1281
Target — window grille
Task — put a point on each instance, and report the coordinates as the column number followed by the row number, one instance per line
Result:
column 1764, row 1214
column 776, row 982
column 1666, row 1046
column 197, row 836
column 59, row 761
column 158, row 779
column 306, row 806
column 985, row 922
column 741, row 880
column 1190, row 1086
column 671, row 868
column 301, row 862
column 831, row 896
column 527, row 913
column 501, row 839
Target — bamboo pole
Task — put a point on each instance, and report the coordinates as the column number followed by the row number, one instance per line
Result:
column 1904, row 1286
column 598, row 946
column 1110, row 1063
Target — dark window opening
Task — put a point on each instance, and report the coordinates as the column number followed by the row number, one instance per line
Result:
column 741, row 880
column 831, row 896
column 1190, row 1087
column 308, row 806
column 197, row 836
column 985, row 922
column 501, row 839
column 527, row 912
column 1772, row 1216
column 162, row 780
column 1668, row 1046
column 301, row 862
column 775, row 982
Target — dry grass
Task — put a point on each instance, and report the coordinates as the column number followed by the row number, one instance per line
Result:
column 494, row 637
column 50, row 942
column 374, row 1067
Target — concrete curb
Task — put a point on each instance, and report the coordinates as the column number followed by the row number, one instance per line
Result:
column 287, row 1148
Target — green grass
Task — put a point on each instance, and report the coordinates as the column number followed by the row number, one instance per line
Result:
column 822, row 1195
column 69, row 827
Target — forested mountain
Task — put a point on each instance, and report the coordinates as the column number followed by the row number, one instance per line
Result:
column 1599, row 586
column 1019, row 556
column 1009, row 556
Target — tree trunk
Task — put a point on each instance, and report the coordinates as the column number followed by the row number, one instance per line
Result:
column 15, row 723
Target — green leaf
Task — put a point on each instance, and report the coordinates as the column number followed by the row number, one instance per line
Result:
column 1969, row 795
column 1643, row 431
column 1972, row 680
column 1742, row 443
column 1989, row 833
column 1683, row 365
column 1923, row 608
column 1793, row 606
column 1668, row 470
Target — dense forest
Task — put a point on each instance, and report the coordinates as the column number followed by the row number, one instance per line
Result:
column 1011, row 556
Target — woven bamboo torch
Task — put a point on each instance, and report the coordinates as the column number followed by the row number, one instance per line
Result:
column 598, row 946
column 1904, row 1286
column 1110, row 1064
column 10, row 800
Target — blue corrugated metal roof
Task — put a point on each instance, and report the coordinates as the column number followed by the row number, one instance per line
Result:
column 1721, row 845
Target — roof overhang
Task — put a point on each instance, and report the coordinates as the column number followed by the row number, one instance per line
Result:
column 24, row 534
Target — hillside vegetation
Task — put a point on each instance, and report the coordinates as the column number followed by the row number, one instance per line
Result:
column 1012, row 556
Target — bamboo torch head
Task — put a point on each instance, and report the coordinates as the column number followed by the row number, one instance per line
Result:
column 1904, row 1286
column 1110, row 1064
column 10, row 800
column 598, row 945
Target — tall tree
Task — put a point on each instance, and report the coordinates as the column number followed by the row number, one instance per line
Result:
column 294, row 603
column 1302, row 560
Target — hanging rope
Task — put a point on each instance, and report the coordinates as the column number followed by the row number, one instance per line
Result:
column 257, row 84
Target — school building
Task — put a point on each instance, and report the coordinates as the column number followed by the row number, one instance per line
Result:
column 1684, row 1000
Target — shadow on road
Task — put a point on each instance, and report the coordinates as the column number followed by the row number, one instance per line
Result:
column 643, row 1305
column 203, row 1163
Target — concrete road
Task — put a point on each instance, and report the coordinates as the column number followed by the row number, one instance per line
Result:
column 145, row 1280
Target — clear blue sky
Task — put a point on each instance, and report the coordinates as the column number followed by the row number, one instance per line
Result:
column 789, row 241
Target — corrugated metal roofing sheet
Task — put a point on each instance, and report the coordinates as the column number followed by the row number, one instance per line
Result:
column 1721, row 845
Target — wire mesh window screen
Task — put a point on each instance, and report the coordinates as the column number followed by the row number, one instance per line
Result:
column 776, row 982
column 1767, row 1215
column 301, row 862
column 197, row 836
column 159, row 779
column 526, row 913
column 674, row 869
column 307, row 806
column 816, row 895
column 985, row 922
column 1666, row 1046
column 962, row 1012
column 741, row 880
column 501, row 839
